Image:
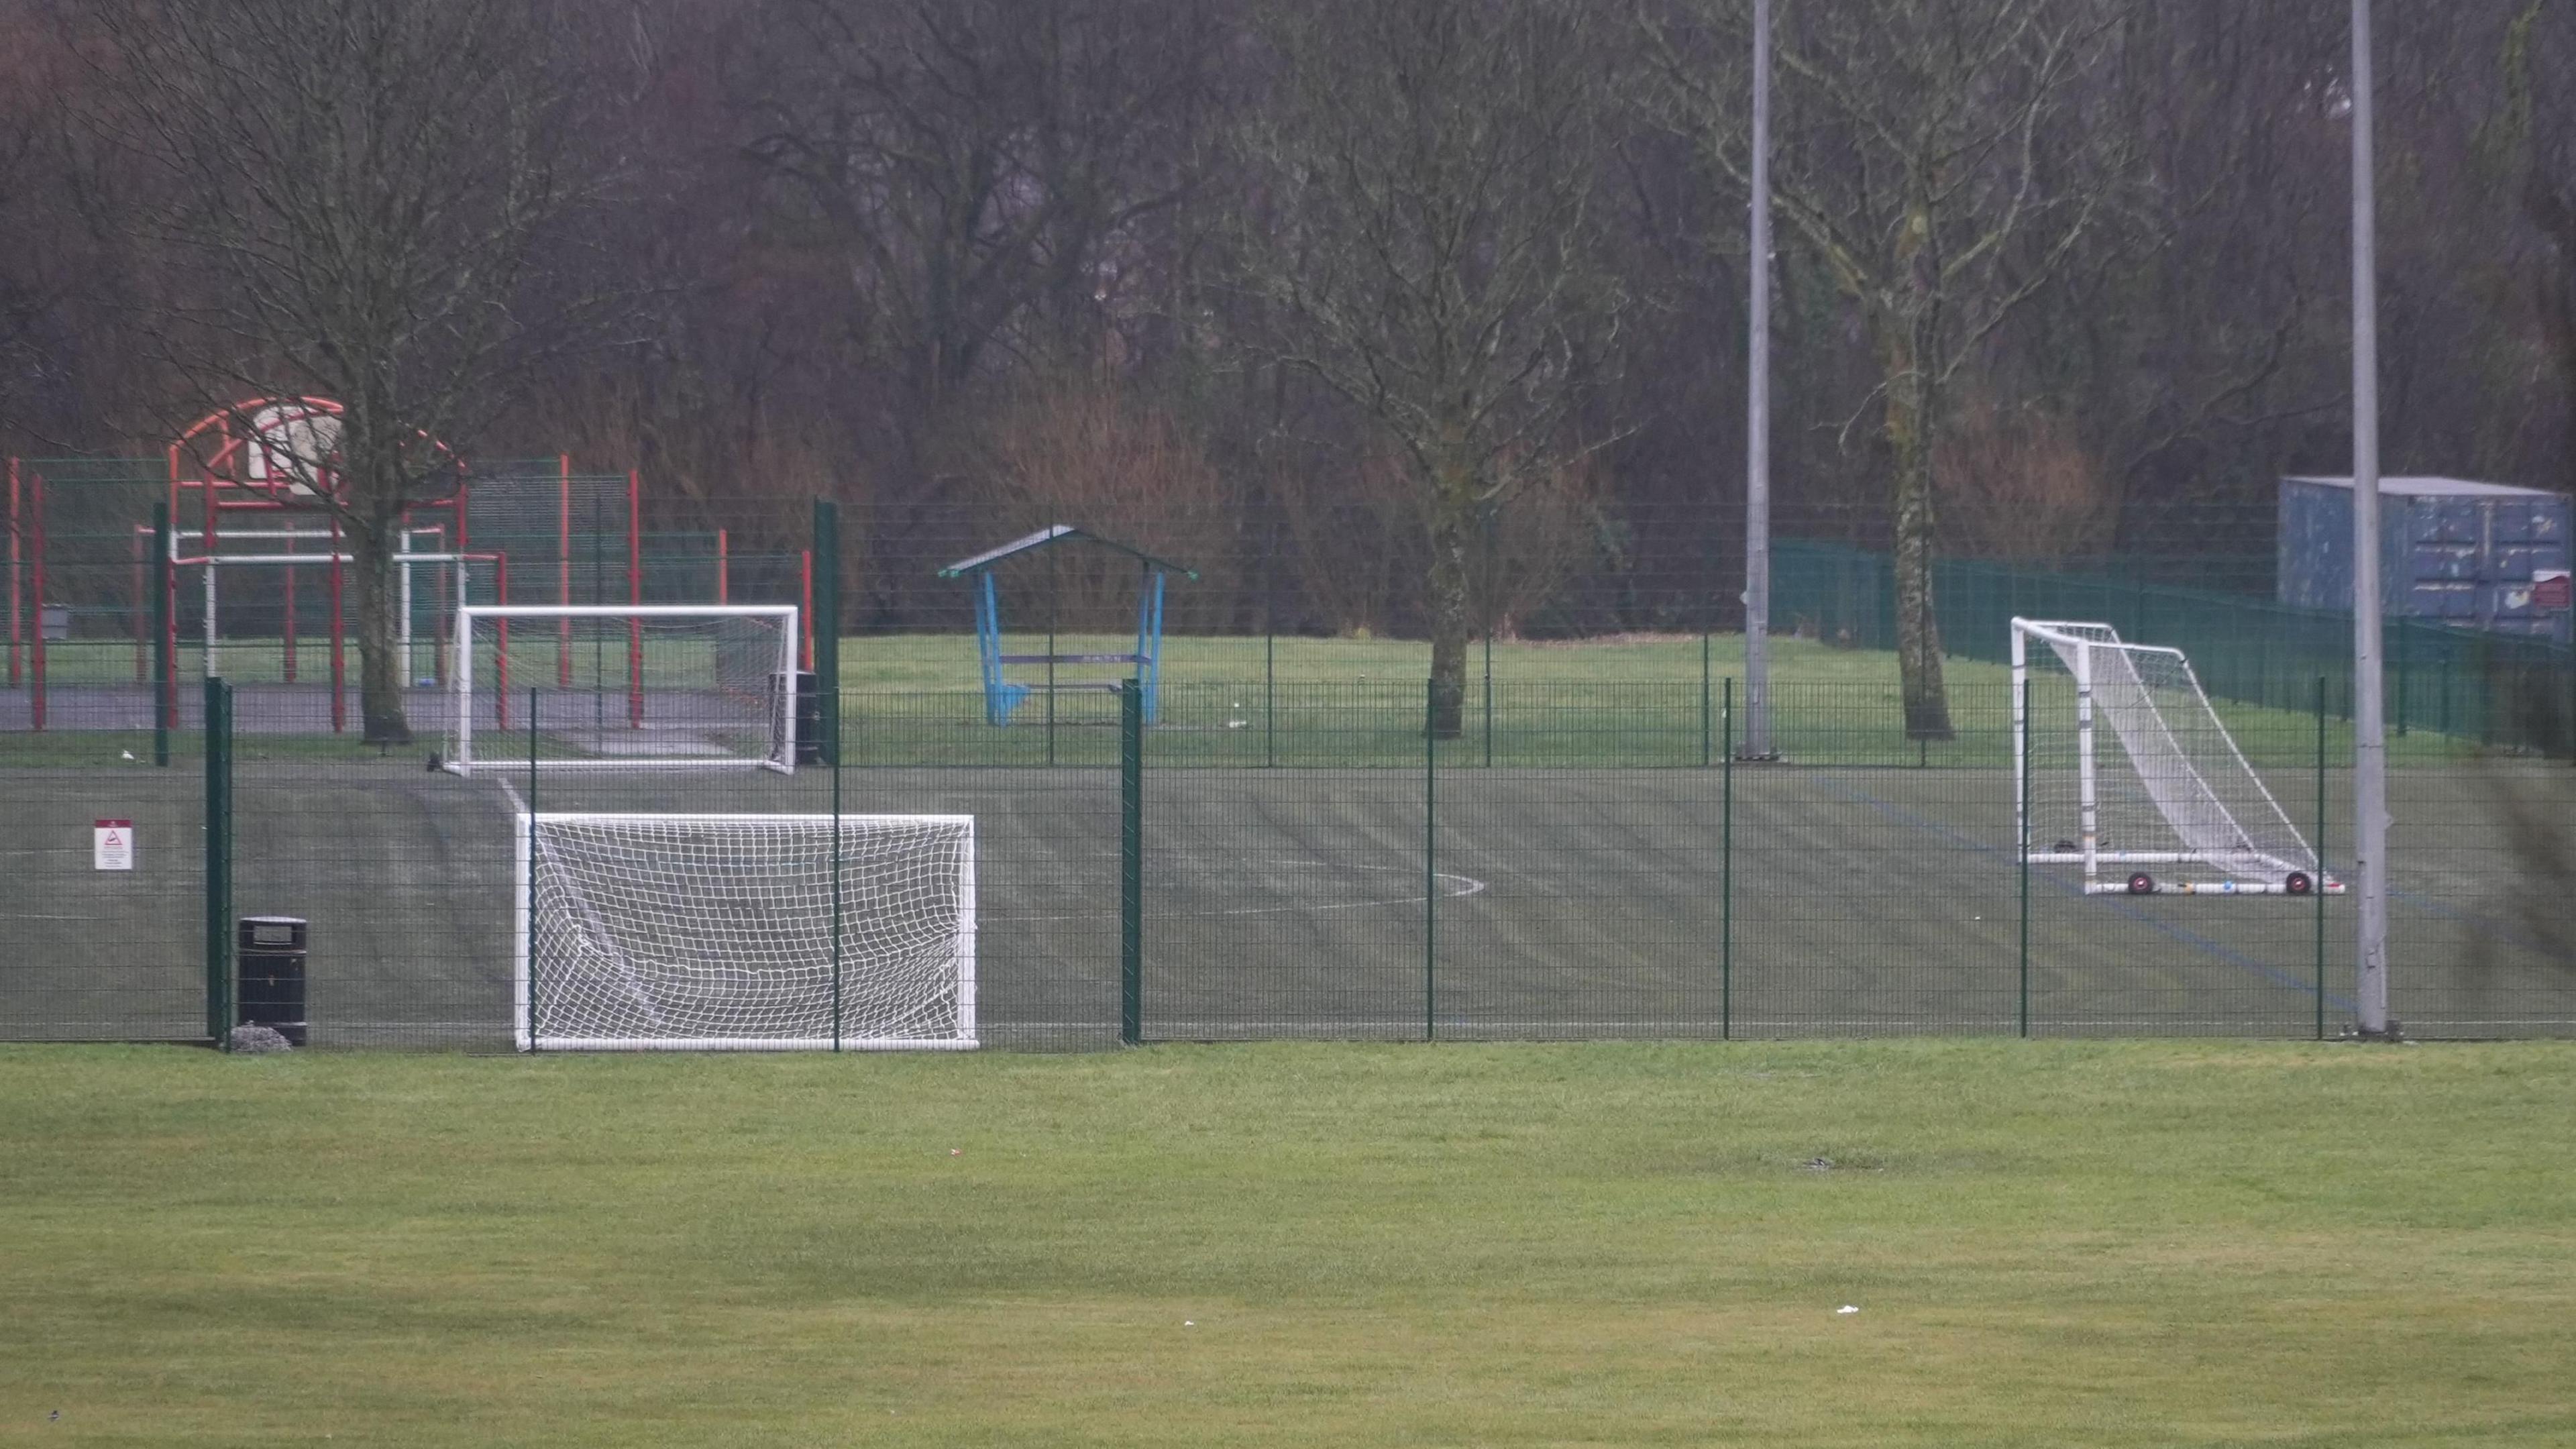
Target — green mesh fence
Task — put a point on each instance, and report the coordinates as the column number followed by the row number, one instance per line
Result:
column 2494, row 689
column 1579, row 859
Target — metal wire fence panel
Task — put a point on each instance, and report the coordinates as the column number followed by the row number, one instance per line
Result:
column 1582, row 902
column 102, row 871
column 1284, row 875
column 2482, row 910
column 1046, row 871
column 1578, row 858
column 1872, row 898
column 1284, row 903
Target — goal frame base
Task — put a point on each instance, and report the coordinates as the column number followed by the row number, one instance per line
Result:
column 730, row 1044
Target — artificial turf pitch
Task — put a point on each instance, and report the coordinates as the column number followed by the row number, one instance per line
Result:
column 1294, row 1244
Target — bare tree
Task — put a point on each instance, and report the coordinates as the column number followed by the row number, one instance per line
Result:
column 358, row 199
column 2540, row 47
column 978, row 167
column 1426, row 244
column 1928, row 160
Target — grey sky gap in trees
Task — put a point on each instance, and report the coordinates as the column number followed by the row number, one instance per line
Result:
column 1423, row 240
column 1926, row 157
column 363, row 196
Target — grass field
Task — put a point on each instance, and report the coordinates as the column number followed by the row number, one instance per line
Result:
column 2048, row 1244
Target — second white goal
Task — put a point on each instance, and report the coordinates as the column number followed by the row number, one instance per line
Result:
column 2121, row 767
column 623, row 687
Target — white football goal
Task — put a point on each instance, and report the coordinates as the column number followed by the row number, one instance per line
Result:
column 2120, row 762
column 645, row 932
column 623, row 687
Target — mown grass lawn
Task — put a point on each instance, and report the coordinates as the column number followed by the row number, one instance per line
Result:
column 2048, row 1244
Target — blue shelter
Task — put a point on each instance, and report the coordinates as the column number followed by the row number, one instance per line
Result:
column 1001, row 695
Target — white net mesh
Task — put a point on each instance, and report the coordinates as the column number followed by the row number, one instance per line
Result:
column 2165, row 780
column 724, row 931
column 659, row 688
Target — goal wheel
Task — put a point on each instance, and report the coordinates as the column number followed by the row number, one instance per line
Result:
column 2064, row 847
column 2141, row 884
column 2298, row 884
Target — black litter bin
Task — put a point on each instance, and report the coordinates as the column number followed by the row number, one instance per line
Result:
column 809, row 719
column 270, row 950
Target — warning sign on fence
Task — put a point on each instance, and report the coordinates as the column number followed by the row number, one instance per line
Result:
column 2552, row 589
column 111, row 844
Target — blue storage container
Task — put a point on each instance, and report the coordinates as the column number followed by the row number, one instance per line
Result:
column 2450, row 551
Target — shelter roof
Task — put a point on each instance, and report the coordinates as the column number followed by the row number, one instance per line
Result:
column 1055, row 533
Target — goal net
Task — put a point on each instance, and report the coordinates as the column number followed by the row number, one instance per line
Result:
column 2122, row 763
column 669, row 686
column 745, row 932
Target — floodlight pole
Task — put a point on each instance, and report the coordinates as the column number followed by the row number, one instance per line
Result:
column 2369, row 723
column 1757, row 415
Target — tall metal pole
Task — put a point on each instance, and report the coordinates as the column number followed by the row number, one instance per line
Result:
column 2369, row 724
column 1757, row 415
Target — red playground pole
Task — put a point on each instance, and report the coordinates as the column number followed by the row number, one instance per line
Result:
column 500, row 643
column 563, row 568
column 339, row 634
column 724, row 570
column 166, row 569
column 290, row 611
column 805, row 615
column 36, row 676
column 138, row 604
column 13, row 573
column 634, row 597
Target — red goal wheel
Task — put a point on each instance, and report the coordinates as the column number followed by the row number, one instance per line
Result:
column 2141, row 884
column 2299, row 884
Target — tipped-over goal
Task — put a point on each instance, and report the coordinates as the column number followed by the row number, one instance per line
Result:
column 745, row 932
column 2121, row 762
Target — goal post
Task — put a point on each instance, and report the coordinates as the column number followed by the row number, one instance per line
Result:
column 665, row 932
column 655, row 687
column 2119, row 761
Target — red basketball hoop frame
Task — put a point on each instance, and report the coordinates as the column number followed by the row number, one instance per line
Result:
column 278, row 455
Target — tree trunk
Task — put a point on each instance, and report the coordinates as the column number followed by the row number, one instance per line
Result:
column 380, row 663
column 1453, row 608
column 1910, row 402
column 1453, row 621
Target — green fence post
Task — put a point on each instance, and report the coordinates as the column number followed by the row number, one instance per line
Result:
column 219, row 861
column 159, row 576
column 835, row 767
column 826, row 623
column 1430, row 860
column 1269, row 698
column 2320, row 887
column 2401, row 631
column 528, row 886
column 2021, row 1010
column 1725, row 863
column 1131, row 862
column 1489, row 699
column 1703, row 702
